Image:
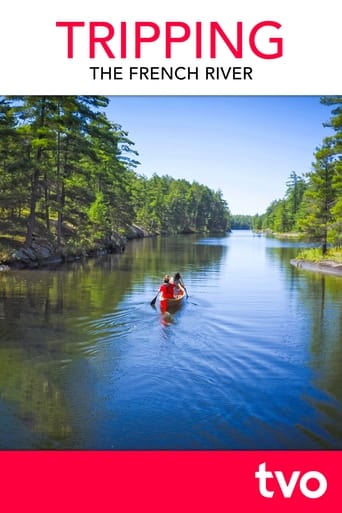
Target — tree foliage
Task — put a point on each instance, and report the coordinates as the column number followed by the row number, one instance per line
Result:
column 168, row 205
column 313, row 202
column 67, row 171
column 242, row 222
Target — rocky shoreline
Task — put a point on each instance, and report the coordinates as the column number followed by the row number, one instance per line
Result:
column 44, row 253
column 325, row 266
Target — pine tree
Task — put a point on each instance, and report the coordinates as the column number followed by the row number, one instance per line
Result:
column 321, row 215
column 316, row 216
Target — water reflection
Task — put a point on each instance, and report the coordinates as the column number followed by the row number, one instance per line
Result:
column 252, row 360
column 52, row 319
column 321, row 296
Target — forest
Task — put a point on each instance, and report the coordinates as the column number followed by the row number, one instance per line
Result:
column 242, row 222
column 312, row 205
column 69, row 175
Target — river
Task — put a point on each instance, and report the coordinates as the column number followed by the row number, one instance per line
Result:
column 252, row 360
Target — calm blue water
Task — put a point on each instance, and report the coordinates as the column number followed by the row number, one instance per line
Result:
column 252, row 360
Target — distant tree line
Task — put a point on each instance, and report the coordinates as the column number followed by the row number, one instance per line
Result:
column 242, row 222
column 67, row 171
column 164, row 204
column 313, row 202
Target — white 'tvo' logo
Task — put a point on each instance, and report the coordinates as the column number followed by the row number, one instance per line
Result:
column 287, row 488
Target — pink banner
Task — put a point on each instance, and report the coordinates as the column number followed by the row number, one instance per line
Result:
column 161, row 482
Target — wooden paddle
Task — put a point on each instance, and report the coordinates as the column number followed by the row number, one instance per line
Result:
column 153, row 302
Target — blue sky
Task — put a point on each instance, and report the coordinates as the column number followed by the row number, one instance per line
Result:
column 246, row 146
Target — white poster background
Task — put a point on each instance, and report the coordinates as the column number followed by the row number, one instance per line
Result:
column 33, row 51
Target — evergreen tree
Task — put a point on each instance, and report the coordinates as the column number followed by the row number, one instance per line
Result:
column 320, row 216
column 242, row 222
column 68, row 173
column 332, row 149
column 316, row 216
column 314, row 205
column 296, row 186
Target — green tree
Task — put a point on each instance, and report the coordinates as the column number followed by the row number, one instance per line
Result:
column 68, row 172
column 321, row 213
column 314, row 205
column 13, row 165
column 316, row 217
column 257, row 222
column 296, row 186
column 75, row 137
column 332, row 149
column 33, row 114
column 242, row 222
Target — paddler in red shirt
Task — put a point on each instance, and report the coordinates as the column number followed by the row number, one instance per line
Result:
column 166, row 292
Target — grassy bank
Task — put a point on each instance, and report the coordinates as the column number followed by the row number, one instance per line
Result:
column 315, row 255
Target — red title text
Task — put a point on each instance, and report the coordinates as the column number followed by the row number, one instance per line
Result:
column 202, row 39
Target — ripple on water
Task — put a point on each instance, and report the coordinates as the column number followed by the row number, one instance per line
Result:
column 252, row 359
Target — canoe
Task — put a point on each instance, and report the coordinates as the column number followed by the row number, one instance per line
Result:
column 177, row 300
column 174, row 303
